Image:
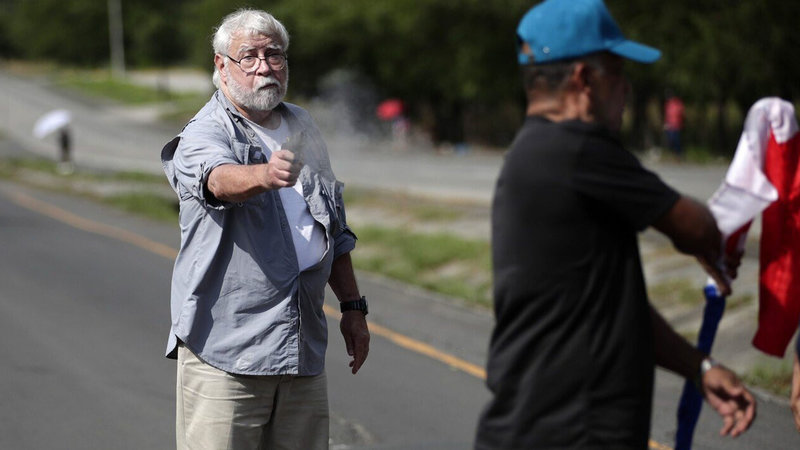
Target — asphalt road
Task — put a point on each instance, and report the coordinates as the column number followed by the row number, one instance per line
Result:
column 83, row 322
column 84, row 310
column 83, row 317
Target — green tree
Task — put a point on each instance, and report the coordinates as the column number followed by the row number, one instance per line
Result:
column 443, row 58
column 76, row 34
column 153, row 36
column 452, row 62
column 6, row 16
column 719, row 56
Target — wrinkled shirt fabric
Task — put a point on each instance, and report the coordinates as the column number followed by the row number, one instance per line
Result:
column 238, row 298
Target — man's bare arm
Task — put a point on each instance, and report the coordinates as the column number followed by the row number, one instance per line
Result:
column 720, row 386
column 693, row 230
column 237, row 183
column 353, row 324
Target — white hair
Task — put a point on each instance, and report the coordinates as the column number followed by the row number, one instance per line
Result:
column 249, row 21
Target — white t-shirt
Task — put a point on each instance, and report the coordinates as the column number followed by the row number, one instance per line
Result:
column 308, row 235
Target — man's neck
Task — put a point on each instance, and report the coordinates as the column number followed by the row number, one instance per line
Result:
column 558, row 108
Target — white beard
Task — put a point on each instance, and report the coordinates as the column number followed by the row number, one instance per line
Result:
column 257, row 99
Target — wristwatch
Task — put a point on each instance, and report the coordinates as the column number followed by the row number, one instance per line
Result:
column 355, row 305
column 705, row 365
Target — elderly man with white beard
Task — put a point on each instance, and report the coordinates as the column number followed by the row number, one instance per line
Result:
column 263, row 230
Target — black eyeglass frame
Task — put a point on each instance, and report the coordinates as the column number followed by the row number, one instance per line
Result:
column 265, row 59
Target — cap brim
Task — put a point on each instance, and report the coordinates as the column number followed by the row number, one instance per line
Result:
column 636, row 52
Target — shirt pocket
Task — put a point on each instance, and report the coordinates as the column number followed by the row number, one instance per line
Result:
column 241, row 152
column 249, row 154
column 255, row 155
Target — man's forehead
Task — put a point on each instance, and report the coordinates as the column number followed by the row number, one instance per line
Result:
column 248, row 41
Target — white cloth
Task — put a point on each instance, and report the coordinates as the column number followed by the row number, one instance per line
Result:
column 746, row 191
column 764, row 178
column 307, row 234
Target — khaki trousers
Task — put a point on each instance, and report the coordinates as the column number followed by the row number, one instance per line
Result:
column 217, row 410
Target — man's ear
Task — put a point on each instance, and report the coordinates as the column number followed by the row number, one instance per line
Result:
column 580, row 80
column 527, row 50
column 219, row 63
column 582, row 74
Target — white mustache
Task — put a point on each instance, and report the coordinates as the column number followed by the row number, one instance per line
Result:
column 261, row 82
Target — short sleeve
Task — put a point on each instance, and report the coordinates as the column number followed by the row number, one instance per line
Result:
column 201, row 149
column 614, row 178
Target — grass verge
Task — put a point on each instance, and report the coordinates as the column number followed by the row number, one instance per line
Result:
column 680, row 291
column 177, row 107
column 401, row 204
column 102, row 85
column 138, row 193
column 439, row 262
column 148, row 205
column 774, row 378
column 685, row 292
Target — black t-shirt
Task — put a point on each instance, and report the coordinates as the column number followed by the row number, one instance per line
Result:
column 571, row 358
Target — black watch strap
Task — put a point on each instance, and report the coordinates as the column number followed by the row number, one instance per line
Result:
column 355, row 305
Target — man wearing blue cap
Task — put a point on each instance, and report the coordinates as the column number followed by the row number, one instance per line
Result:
column 572, row 356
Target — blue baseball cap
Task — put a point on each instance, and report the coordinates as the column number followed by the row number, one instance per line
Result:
column 563, row 29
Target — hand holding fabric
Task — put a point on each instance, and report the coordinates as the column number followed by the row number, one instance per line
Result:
column 719, row 273
column 731, row 262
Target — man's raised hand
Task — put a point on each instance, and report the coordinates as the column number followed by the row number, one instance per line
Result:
column 283, row 169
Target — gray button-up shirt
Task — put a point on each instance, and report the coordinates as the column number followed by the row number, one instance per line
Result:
column 239, row 300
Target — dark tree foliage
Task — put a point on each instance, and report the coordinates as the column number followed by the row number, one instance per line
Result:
column 718, row 55
column 153, row 34
column 73, row 32
column 452, row 62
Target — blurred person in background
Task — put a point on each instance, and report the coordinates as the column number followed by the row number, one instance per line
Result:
column 263, row 231
column 673, row 123
column 572, row 356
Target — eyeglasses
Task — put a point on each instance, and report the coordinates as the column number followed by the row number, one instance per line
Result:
column 275, row 61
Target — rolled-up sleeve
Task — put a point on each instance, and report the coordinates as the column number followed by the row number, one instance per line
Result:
column 201, row 150
column 344, row 242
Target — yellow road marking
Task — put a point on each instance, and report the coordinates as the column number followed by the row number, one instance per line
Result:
column 76, row 221
column 168, row 252
column 418, row 347
column 658, row 446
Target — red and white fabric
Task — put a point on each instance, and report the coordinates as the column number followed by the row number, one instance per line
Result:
column 764, row 178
